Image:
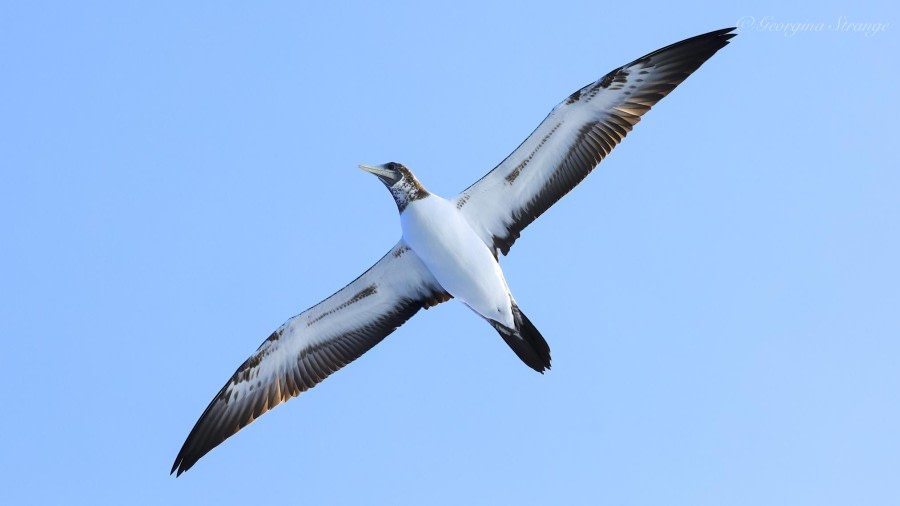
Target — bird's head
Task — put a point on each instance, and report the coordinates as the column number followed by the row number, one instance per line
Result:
column 401, row 182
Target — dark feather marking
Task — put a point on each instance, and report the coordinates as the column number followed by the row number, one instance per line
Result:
column 365, row 292
column 438, row 298
column 513, row 174
column 248, row 370
column 573, row 97
column 607, row 79
column 275, row 336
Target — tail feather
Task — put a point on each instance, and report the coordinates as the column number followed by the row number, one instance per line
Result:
column 525, row 341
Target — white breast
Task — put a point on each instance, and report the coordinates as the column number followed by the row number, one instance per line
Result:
column 457, row 257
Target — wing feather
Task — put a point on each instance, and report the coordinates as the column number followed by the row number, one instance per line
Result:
column 314, row 344
column 575, row 137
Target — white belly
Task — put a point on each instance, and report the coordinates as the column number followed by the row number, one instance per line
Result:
column 457, row 257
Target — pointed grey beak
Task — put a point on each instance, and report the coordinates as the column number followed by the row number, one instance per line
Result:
column 378, row 170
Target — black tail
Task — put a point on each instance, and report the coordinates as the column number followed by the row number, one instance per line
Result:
column 526, row 341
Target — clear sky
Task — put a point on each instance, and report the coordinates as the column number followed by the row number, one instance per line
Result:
column 722, row 295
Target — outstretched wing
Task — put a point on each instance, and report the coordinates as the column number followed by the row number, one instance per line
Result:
column 576, row 135
column 314, row 344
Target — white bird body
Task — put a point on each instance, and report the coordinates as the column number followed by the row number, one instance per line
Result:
column 459, row 260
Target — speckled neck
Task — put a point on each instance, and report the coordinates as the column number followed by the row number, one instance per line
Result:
column 407, row 190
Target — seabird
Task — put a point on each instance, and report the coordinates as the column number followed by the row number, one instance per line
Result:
column 449, row 247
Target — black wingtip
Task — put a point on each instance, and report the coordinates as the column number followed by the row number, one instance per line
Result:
column 700, row 47
column 722, row 32
column 720, row 37
column 178, row 467
column 188, row 456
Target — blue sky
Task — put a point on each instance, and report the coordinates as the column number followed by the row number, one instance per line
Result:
column 722, row 295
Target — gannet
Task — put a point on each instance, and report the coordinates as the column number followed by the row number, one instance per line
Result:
column 449, row 248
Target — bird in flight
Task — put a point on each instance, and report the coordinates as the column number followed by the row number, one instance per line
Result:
column 449, row 247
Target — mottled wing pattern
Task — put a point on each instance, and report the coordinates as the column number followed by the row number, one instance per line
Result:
column 314, row 344
column 576, row 135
